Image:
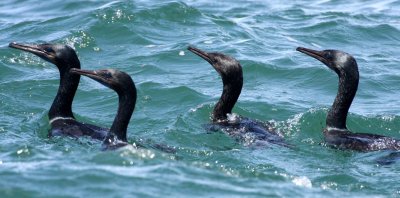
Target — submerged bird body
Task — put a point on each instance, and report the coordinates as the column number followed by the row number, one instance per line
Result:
column 124, row 86
column 61, row 118
column 248, row 130
column 74, row 128
column 336, row 133
column 239, row 127
column 344, row 139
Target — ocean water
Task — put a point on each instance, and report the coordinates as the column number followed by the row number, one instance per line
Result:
column 177, row 91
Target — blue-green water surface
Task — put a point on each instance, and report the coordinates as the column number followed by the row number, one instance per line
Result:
column 177, row 91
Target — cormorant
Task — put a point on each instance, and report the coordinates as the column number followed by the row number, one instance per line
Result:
column 123, row 84
column 239, row 127
column 61, row 118
column 336, row 133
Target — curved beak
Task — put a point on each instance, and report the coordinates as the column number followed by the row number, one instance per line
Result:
column 34, row 49
column 93, row 74
column 89, row 73
column 200, row 53
column 319, row 55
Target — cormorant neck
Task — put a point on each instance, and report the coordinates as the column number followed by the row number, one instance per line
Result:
column 126, row 106
column 347, row 88
column 62, row 104
column 230, row 94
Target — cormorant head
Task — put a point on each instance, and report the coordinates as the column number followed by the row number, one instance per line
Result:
column 338, row 61
column 116, row 80
column 232, row 78
column 228, row 67
column 58, row 54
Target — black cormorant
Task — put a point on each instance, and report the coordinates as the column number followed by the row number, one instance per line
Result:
column 61, row 118
column 124, row 86
column 239, row 127
column 336, row 133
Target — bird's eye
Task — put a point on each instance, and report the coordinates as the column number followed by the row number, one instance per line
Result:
column 49, row 49
column 107, row 75
column 328, row 56
column 216, row 60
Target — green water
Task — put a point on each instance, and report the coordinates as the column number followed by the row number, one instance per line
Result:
column 177, row 91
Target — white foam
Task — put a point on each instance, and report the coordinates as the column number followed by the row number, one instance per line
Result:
column 302, row 181
column 232, row 117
